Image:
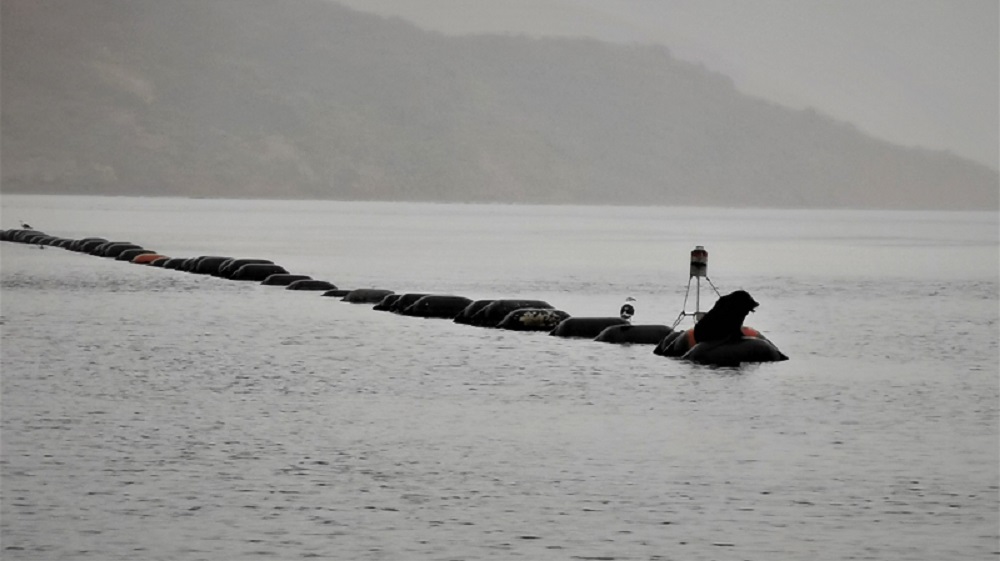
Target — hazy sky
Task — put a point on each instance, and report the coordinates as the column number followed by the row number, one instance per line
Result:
column 916, row 72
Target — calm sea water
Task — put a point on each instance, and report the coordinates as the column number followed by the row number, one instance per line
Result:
column 155, row 414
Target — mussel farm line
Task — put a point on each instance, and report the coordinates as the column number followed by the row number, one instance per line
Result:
column 510, row 314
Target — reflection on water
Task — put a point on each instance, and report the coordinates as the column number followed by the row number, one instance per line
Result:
column 159, row 415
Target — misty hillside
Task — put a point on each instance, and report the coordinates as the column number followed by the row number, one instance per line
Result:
column 308, row 99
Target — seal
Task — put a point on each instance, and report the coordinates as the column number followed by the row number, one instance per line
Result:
column 720, row 338
column 725, row 319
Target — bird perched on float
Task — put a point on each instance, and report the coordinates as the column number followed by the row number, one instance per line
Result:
column 627, row 310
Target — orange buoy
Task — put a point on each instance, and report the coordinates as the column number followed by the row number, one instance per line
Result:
column 147, row 258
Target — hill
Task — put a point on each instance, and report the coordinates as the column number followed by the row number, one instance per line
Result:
column 309, row 99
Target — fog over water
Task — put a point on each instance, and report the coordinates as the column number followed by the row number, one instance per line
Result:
column 156, row 414
column 918, row 73
column 316, row 100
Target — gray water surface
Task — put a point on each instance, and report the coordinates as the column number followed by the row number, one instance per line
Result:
column 155, row 414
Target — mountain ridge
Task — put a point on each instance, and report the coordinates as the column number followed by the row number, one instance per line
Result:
column 309, row 99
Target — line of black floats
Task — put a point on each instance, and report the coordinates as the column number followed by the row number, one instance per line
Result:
column 746, row 345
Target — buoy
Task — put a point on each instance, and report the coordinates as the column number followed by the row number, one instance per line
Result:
column 258, row 272
column 336, row 293
column 588, row 327
column 311, row 284
column 533, row 319
column 698, row 271
column 465, row 316
column 493, row 313
column 634, row 334
column 386, row 303
column 230, row 266
column 146, row 258
column 283, row 279
column 437, row 306
column 366, row 295
column 130, row 254
column 405, row 301
column 208, row 264
column 699, row 261
column 733, row 353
